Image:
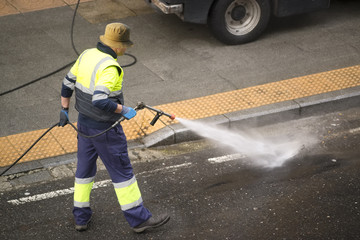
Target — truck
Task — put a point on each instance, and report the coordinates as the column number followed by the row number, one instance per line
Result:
column 236, row 21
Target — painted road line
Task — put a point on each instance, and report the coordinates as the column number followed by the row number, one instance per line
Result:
column 355, row 130
column 165, row 169
column 227, row 158
column 67, row 191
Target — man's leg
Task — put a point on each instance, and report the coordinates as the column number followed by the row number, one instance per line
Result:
column 113, row 152
column 84, row 180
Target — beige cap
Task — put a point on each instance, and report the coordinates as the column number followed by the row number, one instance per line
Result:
column 116, row 35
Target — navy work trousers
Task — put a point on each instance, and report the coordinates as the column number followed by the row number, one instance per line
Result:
column 111, row 147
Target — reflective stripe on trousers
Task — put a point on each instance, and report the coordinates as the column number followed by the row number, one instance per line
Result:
column 128, row 194
column 82, row 190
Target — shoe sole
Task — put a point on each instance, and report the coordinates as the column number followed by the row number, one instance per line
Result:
column 81, row 228
column 139, row 230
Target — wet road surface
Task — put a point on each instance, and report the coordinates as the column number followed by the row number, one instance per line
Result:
column 314, row 196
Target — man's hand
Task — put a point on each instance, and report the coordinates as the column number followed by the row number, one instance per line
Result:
column 128, row 112
column 64, row 117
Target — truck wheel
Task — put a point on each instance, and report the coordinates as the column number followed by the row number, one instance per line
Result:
column 239, row 21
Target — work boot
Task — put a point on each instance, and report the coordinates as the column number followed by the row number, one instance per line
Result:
column 152, row 222
column 81, row 228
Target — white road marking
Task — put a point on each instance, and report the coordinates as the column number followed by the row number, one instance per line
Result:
column 165, row 168
column 67, row 191
column 43, row 196
column 354, row 130
column 226, row 158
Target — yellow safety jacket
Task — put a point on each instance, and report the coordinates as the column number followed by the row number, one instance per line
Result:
column 86, row 72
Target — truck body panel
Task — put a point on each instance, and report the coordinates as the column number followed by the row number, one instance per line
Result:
column 197, row 11
column 284, row 8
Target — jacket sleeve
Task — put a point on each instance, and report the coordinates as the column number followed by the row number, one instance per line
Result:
column 68, row 83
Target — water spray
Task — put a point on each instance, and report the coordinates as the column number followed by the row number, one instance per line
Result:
column 266, row 152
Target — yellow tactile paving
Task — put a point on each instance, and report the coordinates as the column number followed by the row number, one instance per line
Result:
column 66, row 138
column 265, row 94
column 8, row 152
column 47, row 147
column 63, row 140
column 7, row 9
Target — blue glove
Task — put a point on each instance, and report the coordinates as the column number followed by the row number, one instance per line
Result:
column 128, row 112
column 64, row 117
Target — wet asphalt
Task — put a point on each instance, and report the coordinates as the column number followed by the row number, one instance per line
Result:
column 313, row 196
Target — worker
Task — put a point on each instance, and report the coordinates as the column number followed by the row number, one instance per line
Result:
column 97, row 80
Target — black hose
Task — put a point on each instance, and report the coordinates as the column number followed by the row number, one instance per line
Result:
column 92, row 136
column 38, row 79
column 137, row 108
column 29, row 148
column 72, row 28
column 49, row 74
column 130, row 64
column 67, row 65
column 57, row 124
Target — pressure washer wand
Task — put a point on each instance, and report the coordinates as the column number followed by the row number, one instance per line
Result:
column 159, row 112
column 138, row 107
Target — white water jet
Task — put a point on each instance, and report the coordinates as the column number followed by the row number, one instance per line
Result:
column 267, row 152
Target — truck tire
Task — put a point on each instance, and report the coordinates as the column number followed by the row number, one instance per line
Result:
column 239, row 21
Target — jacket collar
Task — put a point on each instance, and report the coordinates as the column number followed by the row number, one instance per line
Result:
column 106, row 49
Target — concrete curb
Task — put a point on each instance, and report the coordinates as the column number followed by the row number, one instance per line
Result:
column 264, row 115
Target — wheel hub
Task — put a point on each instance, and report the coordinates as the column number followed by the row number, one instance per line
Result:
column 242, row 16
column 238, row 13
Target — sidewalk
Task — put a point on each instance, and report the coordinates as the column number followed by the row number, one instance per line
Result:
column 178, row 71
column 62, row 141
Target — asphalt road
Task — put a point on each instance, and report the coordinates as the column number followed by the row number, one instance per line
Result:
column 313, row 196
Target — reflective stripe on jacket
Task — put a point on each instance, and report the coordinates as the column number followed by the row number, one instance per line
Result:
column 85, row 76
